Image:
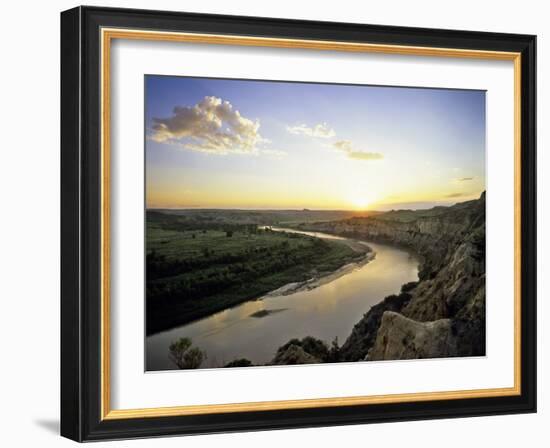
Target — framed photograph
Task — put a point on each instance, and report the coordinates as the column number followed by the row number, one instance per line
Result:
column 274, row 223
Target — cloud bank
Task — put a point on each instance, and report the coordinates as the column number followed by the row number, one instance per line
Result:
column 321, row 130
column 212, row 126
column 347, row 147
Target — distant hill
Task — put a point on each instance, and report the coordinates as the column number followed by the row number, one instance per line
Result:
column 259, row 217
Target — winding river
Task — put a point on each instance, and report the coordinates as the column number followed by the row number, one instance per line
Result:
column 255, row 329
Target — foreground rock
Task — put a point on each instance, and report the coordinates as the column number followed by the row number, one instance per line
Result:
column 364, row 334
column 402, row 338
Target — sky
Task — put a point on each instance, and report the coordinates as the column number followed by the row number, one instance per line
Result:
column 221, row 143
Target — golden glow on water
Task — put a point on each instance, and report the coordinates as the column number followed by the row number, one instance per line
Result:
column 326, row 312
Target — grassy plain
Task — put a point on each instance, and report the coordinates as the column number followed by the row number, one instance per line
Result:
column 198, row 265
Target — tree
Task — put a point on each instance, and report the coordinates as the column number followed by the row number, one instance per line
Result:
column 184, row 356
column 334, row 351
column 229, row 233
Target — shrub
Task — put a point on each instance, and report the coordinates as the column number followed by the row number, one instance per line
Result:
column 184, row 356
column 334, row 351
column 242, row 362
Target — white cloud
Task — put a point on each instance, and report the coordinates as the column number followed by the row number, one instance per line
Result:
column 347, row 147
column 321, row 130
column 211, row 126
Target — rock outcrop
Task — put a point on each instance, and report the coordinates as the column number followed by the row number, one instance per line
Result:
column 402, row 338
column 444, row 313
column 364, row 333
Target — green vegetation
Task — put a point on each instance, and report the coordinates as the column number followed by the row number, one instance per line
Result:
column 242, row 362
column 212, row 218
column 196, row 267
column 184, row 356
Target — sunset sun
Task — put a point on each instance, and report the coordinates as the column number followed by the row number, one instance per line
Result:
column 360, row 201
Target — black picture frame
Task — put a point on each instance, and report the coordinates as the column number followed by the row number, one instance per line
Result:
column 81, row 224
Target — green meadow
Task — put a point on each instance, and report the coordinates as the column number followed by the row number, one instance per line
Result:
column 196, row 267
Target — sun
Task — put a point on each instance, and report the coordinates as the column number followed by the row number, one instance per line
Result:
column 360, row 201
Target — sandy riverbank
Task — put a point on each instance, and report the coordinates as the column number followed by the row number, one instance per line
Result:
column 322, row 279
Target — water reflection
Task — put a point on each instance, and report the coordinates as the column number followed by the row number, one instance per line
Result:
column 326, row 312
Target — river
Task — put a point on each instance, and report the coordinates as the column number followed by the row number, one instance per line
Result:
column 328, row 311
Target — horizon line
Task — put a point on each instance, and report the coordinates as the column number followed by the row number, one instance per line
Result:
column 307, row 209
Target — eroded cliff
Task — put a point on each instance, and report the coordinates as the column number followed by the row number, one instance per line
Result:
column 441, row 315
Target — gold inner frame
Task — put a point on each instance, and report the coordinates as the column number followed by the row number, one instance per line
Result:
column 107, row 35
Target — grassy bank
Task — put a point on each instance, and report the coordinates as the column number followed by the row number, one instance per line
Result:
column 196, row 270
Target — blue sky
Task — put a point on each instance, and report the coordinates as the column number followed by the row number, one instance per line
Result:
column 264, row 144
